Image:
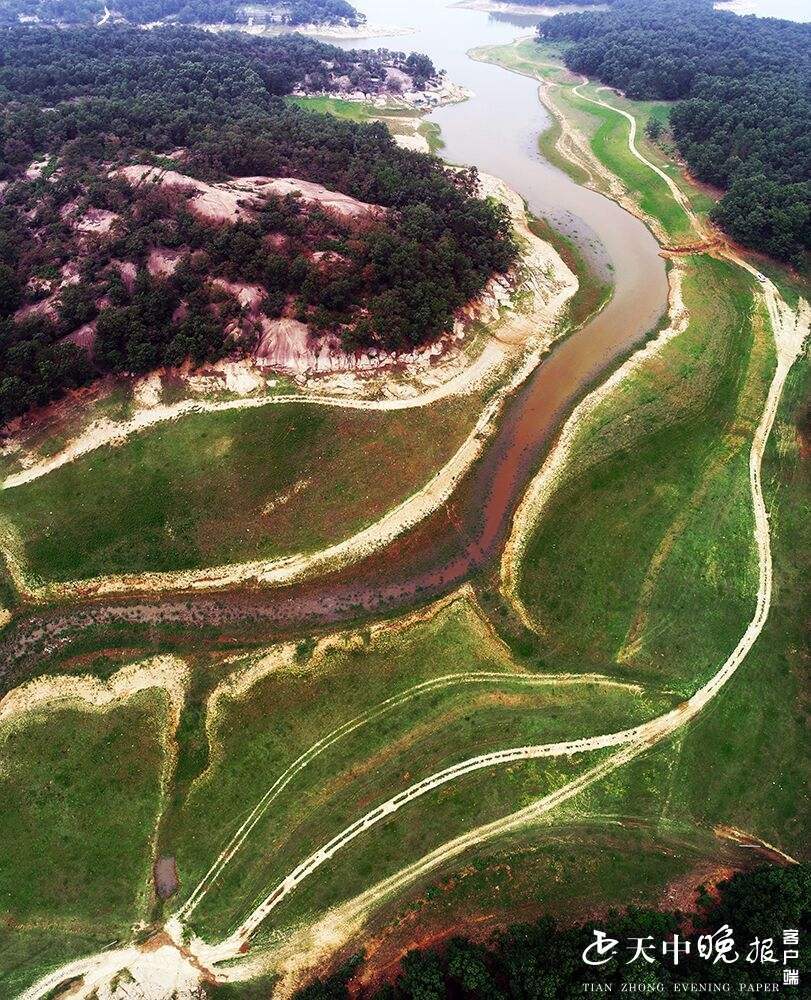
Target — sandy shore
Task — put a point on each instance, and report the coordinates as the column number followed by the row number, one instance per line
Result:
column 337, row 31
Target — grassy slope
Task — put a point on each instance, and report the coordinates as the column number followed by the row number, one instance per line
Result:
column 79, row 797
column 609, row 142
column 399, row 121
column 661, row 563
column 192, row 493
column 745, row 762
column 569, row 870
column 607, row 132
column 742, row 764
column 263, row 732
column 28, row 954
column 663, row 152
column 354, row 111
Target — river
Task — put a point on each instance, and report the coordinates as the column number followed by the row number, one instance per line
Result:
column 497, row 130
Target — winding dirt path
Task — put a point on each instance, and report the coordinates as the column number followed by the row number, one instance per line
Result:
column 298, row 566
column 525, row 331
column 790, row 336
column 790, row 330
column 489, row 678
column 678, row 195
column 541, row 286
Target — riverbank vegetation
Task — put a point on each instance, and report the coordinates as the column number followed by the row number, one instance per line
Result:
column 742, row 112
column 401, row 122
column 655, row 471
column 606, row 131
column 608, row 137
column 97, row 275
column 592, row 291
column 294, row 704
column 80, row 793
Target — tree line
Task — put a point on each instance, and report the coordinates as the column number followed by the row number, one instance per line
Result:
column 72, row 12
column 543, row 961
column 742, row 117
column 93, row 99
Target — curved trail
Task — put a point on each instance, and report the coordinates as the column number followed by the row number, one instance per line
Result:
column 515, row 308
column 675, row 190
column 497, row 678
column 790, row 331
column 301, row 565
column 789, row 339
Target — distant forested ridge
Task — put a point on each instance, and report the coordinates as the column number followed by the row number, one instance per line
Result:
column 743, row 117
column 563, row 3
column 542, row 961
column 76, row 105
column 71, row 12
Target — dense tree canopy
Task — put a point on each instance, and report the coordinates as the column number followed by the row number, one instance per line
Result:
column 743, row 117
column 543, row 961
column 181, row 11
column 89, row 100
column 563, row 3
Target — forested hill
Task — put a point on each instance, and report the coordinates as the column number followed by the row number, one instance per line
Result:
column 743, row 117
column 79, row 242
column 72, row 12
column 563, row 3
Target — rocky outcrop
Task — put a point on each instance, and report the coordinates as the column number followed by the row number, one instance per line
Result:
column 237, row 199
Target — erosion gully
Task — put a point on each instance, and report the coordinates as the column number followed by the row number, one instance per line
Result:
column 496, row 130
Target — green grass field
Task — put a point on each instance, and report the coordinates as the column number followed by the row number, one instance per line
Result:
column 662, row 152
column 744, row 763
column 79, row 800
column 230, row 486
column 355, row 111
column 609, row 142
column 257, row 736
column 398, row 120
column 606, row 130
column 558, row 869
column 644, row 562
column 26, row 954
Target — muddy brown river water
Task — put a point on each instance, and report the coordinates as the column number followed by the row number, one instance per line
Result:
column 497, row 130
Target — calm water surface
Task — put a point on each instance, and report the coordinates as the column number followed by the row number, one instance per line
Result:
column 497, row 130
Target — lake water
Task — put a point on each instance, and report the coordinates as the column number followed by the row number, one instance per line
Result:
column 496, row 130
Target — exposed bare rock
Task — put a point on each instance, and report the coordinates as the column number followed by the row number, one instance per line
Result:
column 96, row 220
column 236, row 199
column 34, row 170
column 45, row 307
column 128, row 272
column 248, row 296
column 84, row 337
column 163, row 263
